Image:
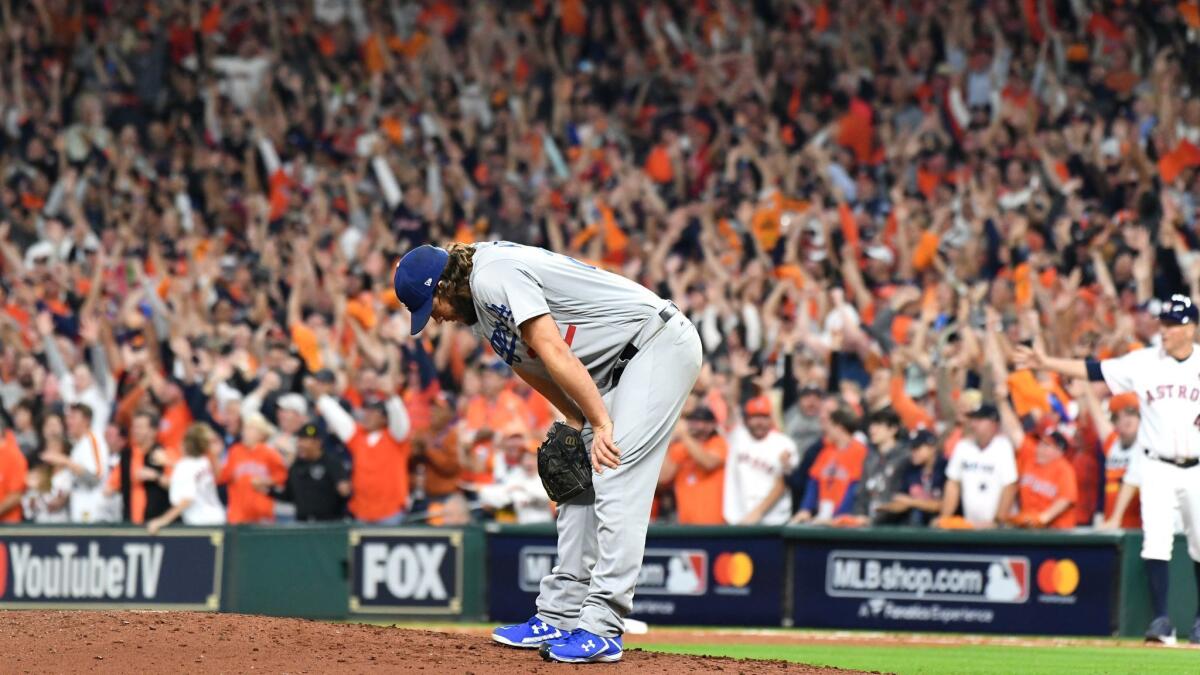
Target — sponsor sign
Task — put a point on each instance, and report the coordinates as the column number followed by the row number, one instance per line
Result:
column 99, row 568
column 1054, row 590
column 676, row 584
column 399, row 571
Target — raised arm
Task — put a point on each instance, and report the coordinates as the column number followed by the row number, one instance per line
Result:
column 340, row 422
column 1034, row 358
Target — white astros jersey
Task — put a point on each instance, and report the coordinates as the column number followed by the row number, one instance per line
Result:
column 982, row 475
column 1169, row 395
column 598, row 313
column 753, row 467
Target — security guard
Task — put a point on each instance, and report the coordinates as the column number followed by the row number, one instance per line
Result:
column 317, row 482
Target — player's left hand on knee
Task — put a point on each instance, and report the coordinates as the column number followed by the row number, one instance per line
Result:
column 604, row 450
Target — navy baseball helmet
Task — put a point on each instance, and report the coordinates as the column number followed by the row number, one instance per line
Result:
column 1178, row 310
column 417, row 276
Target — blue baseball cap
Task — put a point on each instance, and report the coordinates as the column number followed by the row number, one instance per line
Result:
column 1178, row 310
column 417, row 276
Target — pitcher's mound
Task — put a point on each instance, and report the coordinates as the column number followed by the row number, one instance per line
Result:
column 182, row 642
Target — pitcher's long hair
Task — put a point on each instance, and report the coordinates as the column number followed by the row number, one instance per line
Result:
column 455, row 284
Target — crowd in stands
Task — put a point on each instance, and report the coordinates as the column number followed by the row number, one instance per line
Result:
column 863, row 205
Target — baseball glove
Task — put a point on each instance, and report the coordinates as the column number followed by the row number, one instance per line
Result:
column 563, row 463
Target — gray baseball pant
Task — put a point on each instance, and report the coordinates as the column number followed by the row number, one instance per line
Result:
column 602, row 532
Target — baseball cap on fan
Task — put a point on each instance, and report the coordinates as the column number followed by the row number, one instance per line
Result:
column 416, row 277
column 1179, row 310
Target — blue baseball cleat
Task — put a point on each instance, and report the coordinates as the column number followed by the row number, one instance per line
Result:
column 528, row 635
column 581, row 646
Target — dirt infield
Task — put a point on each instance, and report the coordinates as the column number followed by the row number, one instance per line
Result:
column 153, row 642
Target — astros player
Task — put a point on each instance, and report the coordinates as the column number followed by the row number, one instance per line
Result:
column 1166, row 380
column 618, row 362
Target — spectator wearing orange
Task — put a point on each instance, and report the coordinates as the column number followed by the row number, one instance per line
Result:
column 379, row 450
column 158, row 460
column 496, row 404
column 436, row 452
column 250, row 469
column 833, row 480
column 13, row 470
column 136, row 494
column 1046, row 486
column 695, row 469
column 1047, row 489
column 176, row 417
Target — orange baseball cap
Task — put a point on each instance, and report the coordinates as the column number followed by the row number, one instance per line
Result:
column 1121, row 402
column 759, row 405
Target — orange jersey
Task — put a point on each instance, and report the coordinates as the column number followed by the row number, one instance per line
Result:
column 699, row 493
column 13, row 469
column 836, row 469
column 242, row 467
column 1043, row 484
column 1116, row 464
column 379, row 477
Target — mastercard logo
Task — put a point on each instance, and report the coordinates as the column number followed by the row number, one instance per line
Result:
column 733, row 569
column 1058, row 577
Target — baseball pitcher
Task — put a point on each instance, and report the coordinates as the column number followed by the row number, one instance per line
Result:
column 618, row 362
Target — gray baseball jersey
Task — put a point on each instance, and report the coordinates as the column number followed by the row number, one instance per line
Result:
column 602, row 532
column 597, row 312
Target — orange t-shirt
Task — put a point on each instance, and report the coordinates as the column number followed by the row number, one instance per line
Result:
column 13, row 469
column 1113, row 478
column 1041, row 485
column 173, row 425
column 443, row 466
column 540, row 409
column 379, row 477
column 307, row 346
column 699, row 493
column 836, row 469
column 246, row 504
column 912, row 415
column 137, row 491
column 482, row 455
column 485, row 414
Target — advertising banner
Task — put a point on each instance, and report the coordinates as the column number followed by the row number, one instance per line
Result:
column 721, row 581
column 406, row 571
column 100, row 568
column 1002, row 589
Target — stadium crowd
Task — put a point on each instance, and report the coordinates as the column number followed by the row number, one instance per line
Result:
column 863, row 205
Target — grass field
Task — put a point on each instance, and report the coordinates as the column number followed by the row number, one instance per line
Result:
column 907, row 653
column 960, row 660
